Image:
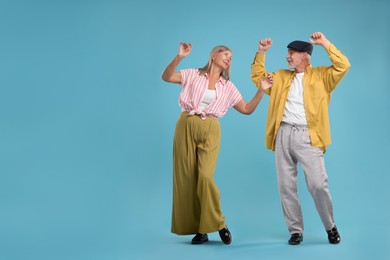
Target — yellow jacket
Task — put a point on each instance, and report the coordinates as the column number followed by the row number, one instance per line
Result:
column 318, row 84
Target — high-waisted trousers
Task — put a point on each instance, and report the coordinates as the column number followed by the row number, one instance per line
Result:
column 196, row 197
column 293, row 146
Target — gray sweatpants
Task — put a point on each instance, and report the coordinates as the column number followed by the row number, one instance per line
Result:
column 293, row 146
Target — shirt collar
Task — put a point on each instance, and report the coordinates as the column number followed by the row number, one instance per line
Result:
column 308, row 68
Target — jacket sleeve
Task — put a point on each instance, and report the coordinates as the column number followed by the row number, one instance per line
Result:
column 340, row 65
column 259, row 71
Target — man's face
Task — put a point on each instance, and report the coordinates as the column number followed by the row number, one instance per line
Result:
column 295, row 58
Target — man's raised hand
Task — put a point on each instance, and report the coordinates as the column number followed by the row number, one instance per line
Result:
column 264, row 45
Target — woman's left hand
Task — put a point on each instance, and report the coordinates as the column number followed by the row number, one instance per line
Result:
column 266, row 82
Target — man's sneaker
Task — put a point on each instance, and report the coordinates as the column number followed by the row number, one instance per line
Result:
column 295, row 239
column 333, row 235
column 225, row 235
column 200, row 239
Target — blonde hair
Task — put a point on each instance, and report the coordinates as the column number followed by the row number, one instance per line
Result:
column 206, row 69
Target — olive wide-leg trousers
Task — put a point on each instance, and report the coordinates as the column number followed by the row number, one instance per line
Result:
column 196, row 198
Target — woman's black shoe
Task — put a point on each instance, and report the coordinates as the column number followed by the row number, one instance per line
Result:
column 333, row 236
column 225, row 235
column 295, row 239
column 200, row 239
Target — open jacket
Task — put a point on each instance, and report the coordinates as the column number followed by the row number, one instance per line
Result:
column 318, row 84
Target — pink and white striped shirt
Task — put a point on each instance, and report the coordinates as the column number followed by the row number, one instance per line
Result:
column 194, row 89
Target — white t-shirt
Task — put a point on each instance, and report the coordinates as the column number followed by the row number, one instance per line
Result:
column 207, row 98
column 294, row 111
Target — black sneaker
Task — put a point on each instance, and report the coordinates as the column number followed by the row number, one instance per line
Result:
column 225, row 235
column 200, row 239
column 333, row 235
column 295, row 239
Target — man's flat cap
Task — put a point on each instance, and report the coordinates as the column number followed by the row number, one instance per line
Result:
column 301, row 46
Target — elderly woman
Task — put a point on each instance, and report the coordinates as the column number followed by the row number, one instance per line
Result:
column 207, row 94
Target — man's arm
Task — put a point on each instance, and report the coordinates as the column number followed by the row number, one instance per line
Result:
column 335, row 73
column 258, row 68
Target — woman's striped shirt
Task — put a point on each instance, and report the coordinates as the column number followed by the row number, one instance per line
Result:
column 194, row 89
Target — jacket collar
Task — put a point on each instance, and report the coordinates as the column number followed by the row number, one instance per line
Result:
column 292, row 75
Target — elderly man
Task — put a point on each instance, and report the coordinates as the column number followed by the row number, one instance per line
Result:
column 298, row 126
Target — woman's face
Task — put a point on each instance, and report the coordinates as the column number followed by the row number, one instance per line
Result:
column 223, row 59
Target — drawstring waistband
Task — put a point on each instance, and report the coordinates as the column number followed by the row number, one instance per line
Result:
column 293, row 125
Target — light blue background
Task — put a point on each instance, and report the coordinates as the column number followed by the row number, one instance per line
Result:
column 86, row 127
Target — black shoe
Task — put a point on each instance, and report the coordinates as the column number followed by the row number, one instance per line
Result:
column 295, row 239
column 225, row 235
column 333, row 235
column 200, row 239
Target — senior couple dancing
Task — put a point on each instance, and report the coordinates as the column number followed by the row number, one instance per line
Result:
column 297, row 130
